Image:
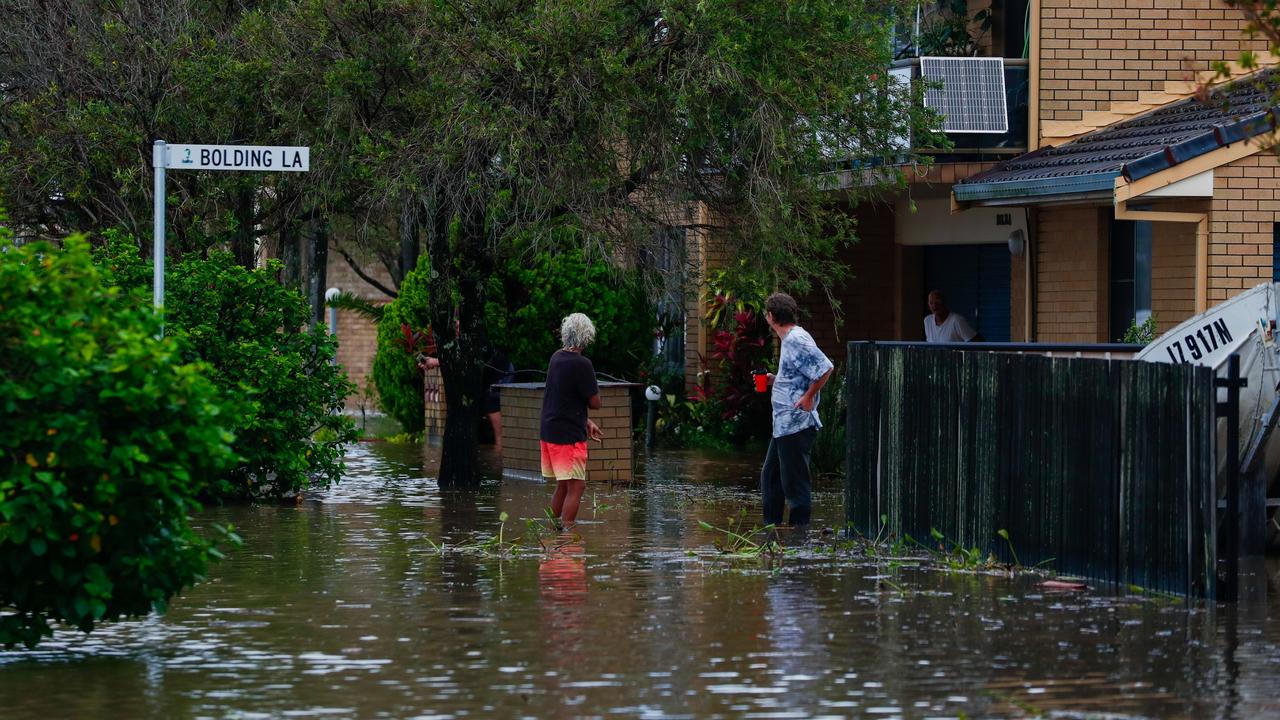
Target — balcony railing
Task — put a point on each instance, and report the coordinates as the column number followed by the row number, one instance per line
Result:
column 1017, row 89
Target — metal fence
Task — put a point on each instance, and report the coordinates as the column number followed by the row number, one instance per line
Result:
column 1102, row 468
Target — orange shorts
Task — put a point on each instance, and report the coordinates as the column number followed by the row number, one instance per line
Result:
column 564, row 462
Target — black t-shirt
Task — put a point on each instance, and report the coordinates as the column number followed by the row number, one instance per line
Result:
column 571, row 381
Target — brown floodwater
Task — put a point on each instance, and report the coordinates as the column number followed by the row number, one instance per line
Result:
column 340, row 607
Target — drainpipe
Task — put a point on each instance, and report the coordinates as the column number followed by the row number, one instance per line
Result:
column 1202, row 241
column 1028, row 279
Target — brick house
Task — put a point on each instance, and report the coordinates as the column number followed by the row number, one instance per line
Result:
column 1076, row 73
column 1082, row 266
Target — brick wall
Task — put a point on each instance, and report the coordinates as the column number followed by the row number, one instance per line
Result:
column 1018, row 296
column 868, row 298
column 1246, row 205
column 609, row 460
column 357, row 336
column 1071, row 271
column 1173, row 273
column 1072, row 283
column 706, row 249
column 1095, row 52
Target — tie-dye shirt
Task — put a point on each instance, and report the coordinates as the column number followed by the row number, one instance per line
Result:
column 800, row 363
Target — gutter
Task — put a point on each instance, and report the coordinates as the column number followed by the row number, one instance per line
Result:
column 1035, row 188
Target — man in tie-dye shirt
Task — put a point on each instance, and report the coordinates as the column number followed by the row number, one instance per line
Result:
column 802, row 371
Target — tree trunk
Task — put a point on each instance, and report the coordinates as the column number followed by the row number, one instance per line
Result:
column 291, row 273
column 242, row 242
column 317, row 246
column 462, row 346
column 409, row 236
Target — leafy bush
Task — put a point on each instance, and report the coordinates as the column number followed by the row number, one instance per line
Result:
column 528, row 297
column 692, row 423
column 1143, row 334
column 531, row 295
column 108, row 437
column 724, row 409
column 402, row 333
column 245, row 325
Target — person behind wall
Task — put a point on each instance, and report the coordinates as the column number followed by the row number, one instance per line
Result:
column 942, row 325
column 570, row 391
column 498, row 370
column 802, row 371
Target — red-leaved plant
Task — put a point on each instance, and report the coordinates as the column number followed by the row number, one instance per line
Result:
column 417, row 342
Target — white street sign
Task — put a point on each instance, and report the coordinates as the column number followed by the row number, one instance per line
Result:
column 260, row 158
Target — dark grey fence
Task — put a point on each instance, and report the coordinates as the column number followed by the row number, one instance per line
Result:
column 1104, row 468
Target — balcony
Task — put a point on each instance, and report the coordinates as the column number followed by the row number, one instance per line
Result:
column 968, row 147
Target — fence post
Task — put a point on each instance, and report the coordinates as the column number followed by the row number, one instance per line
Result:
column 1230, row 410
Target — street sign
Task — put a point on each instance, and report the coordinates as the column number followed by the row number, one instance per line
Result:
column 246, row 158
column 260, row 158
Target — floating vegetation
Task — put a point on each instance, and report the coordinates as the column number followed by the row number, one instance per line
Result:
column 891, row 552
column 736, row 541
column 539, row 536
column 597, row 507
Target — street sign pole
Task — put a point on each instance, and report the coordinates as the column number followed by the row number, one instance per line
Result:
column 158, row 161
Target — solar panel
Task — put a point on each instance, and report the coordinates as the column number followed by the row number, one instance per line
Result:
column 971, row 95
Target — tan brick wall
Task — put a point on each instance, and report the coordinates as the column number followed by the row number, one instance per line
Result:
column 610, row 460
column 357, row 337
column 1246, row 205
column 1072, row 275
column 1071, row 271
column 1095, row 52
column 1173, row 273
column 433, row 400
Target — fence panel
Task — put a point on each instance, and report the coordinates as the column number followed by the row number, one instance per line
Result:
column 1102, row 468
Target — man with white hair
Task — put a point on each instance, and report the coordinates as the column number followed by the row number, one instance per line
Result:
column 571, row 390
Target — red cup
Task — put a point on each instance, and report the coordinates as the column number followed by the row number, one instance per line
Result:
column 762, row 382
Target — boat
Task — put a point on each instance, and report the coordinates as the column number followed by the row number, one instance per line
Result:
column 1244, row 325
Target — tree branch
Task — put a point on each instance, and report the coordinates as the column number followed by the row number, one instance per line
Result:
column 365, row 276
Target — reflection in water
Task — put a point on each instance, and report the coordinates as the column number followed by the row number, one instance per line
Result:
column 562, row 593
column 338, row 607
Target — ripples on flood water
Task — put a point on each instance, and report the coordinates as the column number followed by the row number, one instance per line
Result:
column 339, row 607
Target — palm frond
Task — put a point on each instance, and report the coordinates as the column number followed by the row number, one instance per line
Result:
column 356, row 304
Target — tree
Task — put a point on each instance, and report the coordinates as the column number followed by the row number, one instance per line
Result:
column 85, row 88
column 506, row 118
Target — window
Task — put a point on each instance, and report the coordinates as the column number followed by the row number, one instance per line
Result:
column 667, row 257
column 1130, row 275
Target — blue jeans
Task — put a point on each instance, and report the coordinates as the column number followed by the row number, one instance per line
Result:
column 785, row 476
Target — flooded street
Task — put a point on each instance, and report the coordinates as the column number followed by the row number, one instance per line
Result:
column 341, row 607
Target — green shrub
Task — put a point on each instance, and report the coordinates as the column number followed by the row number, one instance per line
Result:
column 1143, row 334
column 108, row 437
column 724, row 409
column 395, row 370
column 245, row 325
column 531, row 295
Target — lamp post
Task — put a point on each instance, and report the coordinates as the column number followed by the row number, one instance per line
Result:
column 652, row 393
